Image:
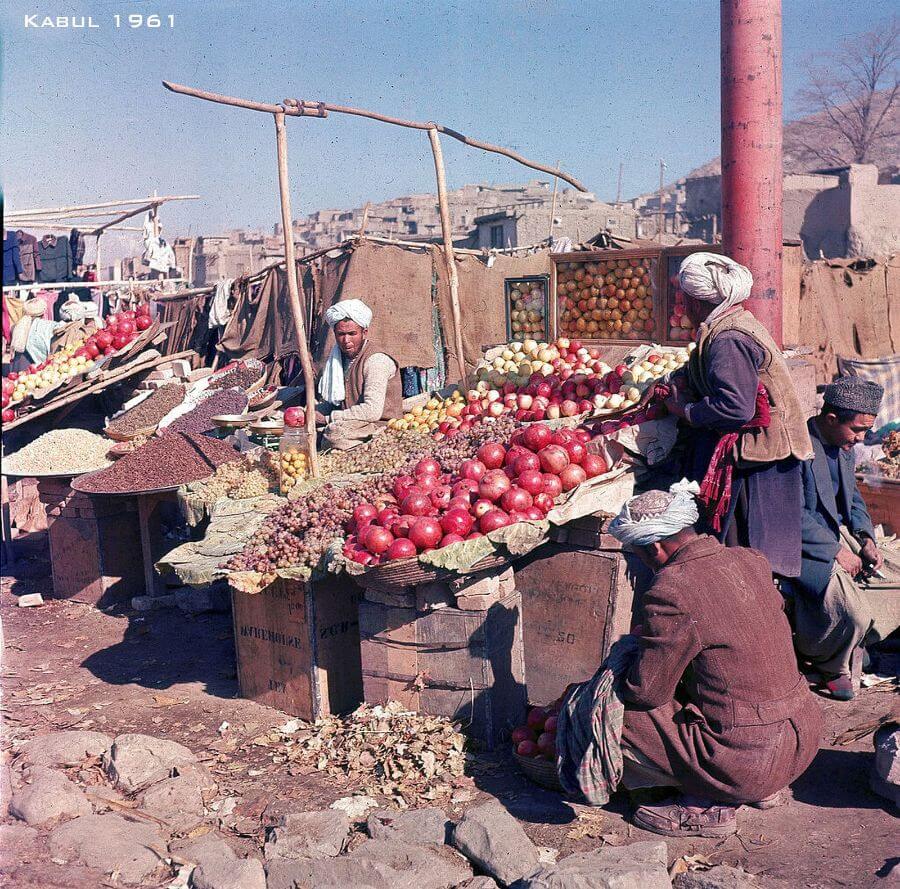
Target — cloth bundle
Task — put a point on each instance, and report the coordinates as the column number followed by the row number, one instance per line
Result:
column 589, row 729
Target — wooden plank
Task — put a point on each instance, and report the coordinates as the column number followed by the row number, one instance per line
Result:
column 883, row 502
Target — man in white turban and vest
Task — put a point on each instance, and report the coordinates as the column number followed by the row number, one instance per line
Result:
column 360, row 385
column 748, row 432
column 715, row 706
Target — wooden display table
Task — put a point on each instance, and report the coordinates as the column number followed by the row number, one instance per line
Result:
column 882, row 496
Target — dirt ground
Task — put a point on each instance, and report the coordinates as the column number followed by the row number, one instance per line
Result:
column 67, row 666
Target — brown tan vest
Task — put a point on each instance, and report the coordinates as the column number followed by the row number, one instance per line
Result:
column 786, row 434
column 353, row 382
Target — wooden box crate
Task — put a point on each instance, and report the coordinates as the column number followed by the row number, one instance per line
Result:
column 468, row 665
column 95, row 545
column 882, row 497
column 575, row 603
column 297, row 646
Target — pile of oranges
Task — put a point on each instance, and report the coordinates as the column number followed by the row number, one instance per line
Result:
column 609, row 299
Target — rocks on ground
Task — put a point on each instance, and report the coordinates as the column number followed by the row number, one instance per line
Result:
column 47, row 798
column 110, row 843
column 176, row 800
column 319, row 834
column 638, row 866
column 492, row 838
column 135, row 761
column 69, row 748
column 412, row 826
column 222, row 873
column 885, row 775
column 376, row 864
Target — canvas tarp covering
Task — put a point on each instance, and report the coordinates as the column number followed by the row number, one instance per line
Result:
column 190, row 317
column 395, row 282
column 848, row 312
column 481, row 299
column 261, row 325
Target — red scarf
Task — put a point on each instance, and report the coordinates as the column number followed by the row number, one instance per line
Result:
column 715, row 490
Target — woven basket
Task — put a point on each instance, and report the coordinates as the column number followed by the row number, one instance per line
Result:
column 411, row 572
column 539, row 770
column 128, row 436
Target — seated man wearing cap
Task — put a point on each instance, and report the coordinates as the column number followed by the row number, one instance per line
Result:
column 360, row 383
column 714, row 704
column 839, row 604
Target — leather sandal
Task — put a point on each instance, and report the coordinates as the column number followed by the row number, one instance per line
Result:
column 684, row 817
column 841, row 687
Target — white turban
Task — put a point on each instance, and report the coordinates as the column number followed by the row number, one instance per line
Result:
column 711, row 277
column 349, row 310
column 657, row 524
column 331, row 384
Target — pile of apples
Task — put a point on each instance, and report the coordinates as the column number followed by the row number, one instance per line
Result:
column 517, row 363
column 503, row 484
column 527, row 305
column 610, row 299
column 681, row 328
column 537, row 738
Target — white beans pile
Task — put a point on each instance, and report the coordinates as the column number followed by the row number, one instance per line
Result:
column 60, row 451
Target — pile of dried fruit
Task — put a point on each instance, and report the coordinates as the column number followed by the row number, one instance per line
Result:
column 254, row 475
column 383, row 453
column 59, row 451
column 199, row 420
column 240, row 376
column 172, row 460
column 149, row 412
column 381, row 749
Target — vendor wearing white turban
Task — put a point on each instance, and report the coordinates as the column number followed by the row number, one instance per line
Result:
column 749, row 430
column 360, row 384
column 715, row 707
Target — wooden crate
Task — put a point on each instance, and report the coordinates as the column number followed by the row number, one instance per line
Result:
column 95, row 544
column 882, row 498
column 575, row 603
column 468, row 665
column 297, row 646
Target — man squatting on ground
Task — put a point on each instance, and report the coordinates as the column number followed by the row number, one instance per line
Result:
column 715, row 706
column 360, row 384
column 839, row 604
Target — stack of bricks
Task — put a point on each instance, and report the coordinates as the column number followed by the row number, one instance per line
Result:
column 95, row 544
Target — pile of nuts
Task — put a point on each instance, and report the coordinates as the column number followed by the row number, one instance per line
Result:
column 607, row 299
column 149, row 412
column 254, row 475
column 60, row 451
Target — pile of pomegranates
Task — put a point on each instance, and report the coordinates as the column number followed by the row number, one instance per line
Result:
column 505, row 483
column 537, row 738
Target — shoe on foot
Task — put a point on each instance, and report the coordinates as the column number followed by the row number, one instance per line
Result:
column 841, row 688
column 771, row 802
column 688, row 817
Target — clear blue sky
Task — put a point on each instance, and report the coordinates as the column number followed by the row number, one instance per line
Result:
column 590, row 84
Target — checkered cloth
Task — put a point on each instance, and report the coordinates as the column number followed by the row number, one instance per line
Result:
column 589, row 729
column 884, row 371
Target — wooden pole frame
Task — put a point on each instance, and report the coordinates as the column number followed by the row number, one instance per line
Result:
column 290, row 262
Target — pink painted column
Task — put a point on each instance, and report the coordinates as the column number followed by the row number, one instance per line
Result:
column 752, row 149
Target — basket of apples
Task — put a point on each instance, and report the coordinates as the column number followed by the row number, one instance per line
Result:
column 534, row 745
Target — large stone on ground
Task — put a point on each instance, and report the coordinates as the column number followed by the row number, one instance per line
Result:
column 48, row 798
column 319, row 834
column 65, row 748
column 638, row 866
column 199, row 850
column 6, row 789
column 496, row 842
column 885, row 775
column 479, row 883
column 719, row 877
column 135, row 761
column 241, row 873
column 177, row 800
column 14, row 839
column 412, row 826
column 376, row 864
column 110, row 843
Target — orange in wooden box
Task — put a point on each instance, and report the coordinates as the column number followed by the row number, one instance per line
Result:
column 297, row 646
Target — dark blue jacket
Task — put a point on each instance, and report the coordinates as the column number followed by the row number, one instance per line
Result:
column 12, row 262
column 822, row 513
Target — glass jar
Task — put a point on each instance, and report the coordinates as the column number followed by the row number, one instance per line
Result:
column 293, row 464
